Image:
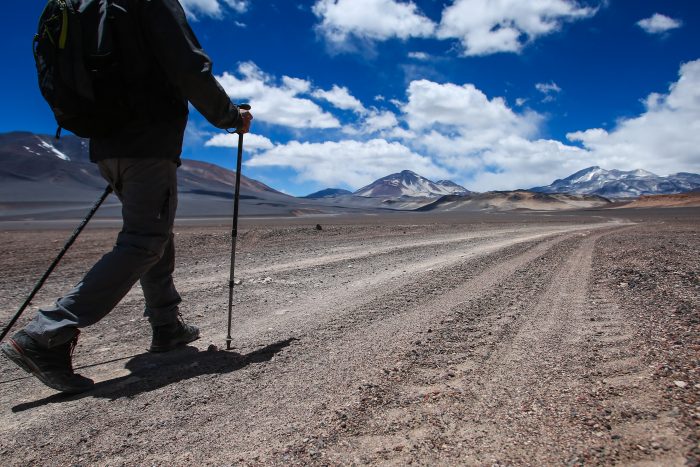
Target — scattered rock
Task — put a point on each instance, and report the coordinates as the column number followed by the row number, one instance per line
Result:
column 680, row 384
column 212, row 348
column 318, row 227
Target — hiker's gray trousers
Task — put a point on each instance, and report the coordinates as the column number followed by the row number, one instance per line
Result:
column 144, row 251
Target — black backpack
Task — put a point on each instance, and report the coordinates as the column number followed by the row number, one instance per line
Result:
column 81, row 51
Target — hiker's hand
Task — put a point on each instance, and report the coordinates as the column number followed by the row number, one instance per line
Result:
column 246, row 116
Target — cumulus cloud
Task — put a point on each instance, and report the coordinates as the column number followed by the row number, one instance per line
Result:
column 378, row 121
column 464, row 110
column 480, row 140
column 665, row 137
column 212, row 8
column 341, row 98
column 456, row 131
column 343, row 20
column 253, row 142
column 279, row 104
column 348, row 162
column 515, row 162
column 486, row 26
column 658, row 24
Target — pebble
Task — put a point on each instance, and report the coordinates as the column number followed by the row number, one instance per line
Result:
column 212, row 348
column 680, row 384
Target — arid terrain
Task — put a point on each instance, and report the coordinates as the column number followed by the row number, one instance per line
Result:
column 430, row 339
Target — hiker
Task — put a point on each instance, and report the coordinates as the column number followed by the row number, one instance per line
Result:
column 139, row 160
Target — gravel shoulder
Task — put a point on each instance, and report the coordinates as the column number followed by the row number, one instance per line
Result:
column 572, row 340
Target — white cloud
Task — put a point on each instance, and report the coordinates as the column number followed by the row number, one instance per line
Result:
column 341, row 98
column 487, row 26
column 480, row 139
column 665, row 138
column 298, row 85
column 205, row 7
column 212, row 8
column 353, row 163
column 515, row 162
column 280, row 105
column 342, row 20
column 658, row 24
column 241, row 6
column 419, row 55
column 253, row 142
column 383, row 123
column 494, row 147
column 464, row 110
column 457, row 131
column 550, row 90
column 380, row 120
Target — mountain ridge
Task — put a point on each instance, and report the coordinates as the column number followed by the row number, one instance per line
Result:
column 618, row 184
column 65, row 164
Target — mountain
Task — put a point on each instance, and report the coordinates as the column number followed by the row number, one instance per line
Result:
column 64, row 164
column 408, row 183
column 621, row 184
column 328, row 193
column 41, row 177
column 513, row 200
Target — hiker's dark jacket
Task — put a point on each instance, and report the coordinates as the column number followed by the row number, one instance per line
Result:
column 174, row 70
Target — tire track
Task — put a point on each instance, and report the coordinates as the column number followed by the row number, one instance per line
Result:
column 347, row 355
column 527, row 347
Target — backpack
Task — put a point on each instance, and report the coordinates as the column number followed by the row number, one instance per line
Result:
column 80, row 51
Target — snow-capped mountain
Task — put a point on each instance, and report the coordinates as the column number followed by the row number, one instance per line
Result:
column 621, row 184
column 408, row 183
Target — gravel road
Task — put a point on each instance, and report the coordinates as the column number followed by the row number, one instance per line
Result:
column 489, row 343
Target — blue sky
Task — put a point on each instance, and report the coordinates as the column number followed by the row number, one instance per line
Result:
column 493, row 94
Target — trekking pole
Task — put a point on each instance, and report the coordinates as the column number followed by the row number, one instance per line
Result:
column 234, row 231
column 48, row 272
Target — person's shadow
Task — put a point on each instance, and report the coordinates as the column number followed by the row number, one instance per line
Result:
column 151, row 371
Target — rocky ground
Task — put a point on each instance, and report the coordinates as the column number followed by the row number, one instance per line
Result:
column 436, row 341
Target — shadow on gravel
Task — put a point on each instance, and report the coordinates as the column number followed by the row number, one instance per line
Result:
column 153, row 371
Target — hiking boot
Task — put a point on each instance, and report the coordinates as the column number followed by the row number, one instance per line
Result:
column 169, row 336
column 52, row 366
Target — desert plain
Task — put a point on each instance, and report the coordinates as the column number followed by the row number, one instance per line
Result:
column 565, row 338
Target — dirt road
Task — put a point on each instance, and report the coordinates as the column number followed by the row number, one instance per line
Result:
column 501, row 343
